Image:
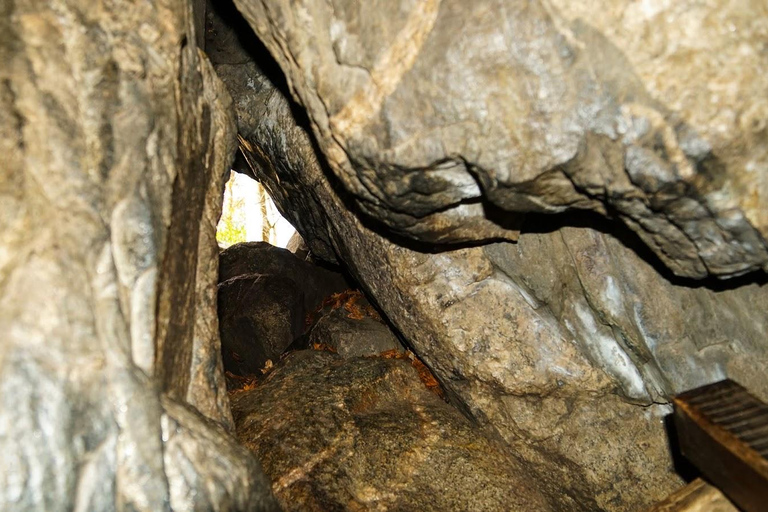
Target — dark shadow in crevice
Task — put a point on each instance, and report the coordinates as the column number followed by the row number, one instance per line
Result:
column 682, row 466
column 550, row 223
column 236, row 32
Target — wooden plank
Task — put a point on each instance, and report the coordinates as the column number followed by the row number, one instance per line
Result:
column 723, row 431
column 698, row 496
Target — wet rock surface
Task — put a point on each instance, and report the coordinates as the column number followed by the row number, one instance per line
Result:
column 264, row 298
column 568, row 343
column 365, row 434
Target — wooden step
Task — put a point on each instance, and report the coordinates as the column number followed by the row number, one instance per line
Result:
column 723, row 430
column 698, row 496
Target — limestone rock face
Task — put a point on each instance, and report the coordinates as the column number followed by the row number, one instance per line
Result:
column 115, row 136
column 365, row 434
column 568, row 343
column 445, row 119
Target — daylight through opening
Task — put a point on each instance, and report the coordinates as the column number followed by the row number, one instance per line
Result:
column 249, row 215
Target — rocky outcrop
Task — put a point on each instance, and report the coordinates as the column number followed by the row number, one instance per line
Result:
column 569, row 342
column 365, row 434
column 265, row 296
column 115, row 135
column 446, row 120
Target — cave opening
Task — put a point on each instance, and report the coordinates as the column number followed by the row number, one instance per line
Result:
column 250, row 215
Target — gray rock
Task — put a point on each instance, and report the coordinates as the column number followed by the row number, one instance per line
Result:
column 445, row 120
column 298, row 246
column 353, row 337
column 207, row 469
column 365, row 434
column 569, row 343
column 115, row 136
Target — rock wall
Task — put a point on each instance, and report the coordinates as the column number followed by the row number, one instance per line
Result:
column 115, row 135
column 569, row 342
column 367, row 435
column 444, row 118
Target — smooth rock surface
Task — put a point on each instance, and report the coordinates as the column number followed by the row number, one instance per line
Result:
column 445, row 119
column 365, row 434
column 568, row 343
column 207, row 469
column 265, row 259
column 115, row 135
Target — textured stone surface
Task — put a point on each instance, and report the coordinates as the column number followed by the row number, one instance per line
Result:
column 350, row 336
column 365, row 434
column 445, row 119
column 265, row 259
column 115, row 136
column 207, row 469
column 298, row 246
column 259, row 317
column 568, row 343
column 265, row 296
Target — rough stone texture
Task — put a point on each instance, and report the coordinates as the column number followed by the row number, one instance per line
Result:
column 365, row 434
column 265, row 259
column 445, row 118
column 298, row 246
column 259, row 317
column 568, row 343
column 115, row 136
column 353, row 337
column 265, row 296
column 206, row 468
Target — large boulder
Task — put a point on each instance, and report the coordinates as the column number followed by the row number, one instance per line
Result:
column 568, row 343
column 115, row 136
column 265, row 259
column 265, row 296
column 365, row 434
column 446, row 119
column 259, row 317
